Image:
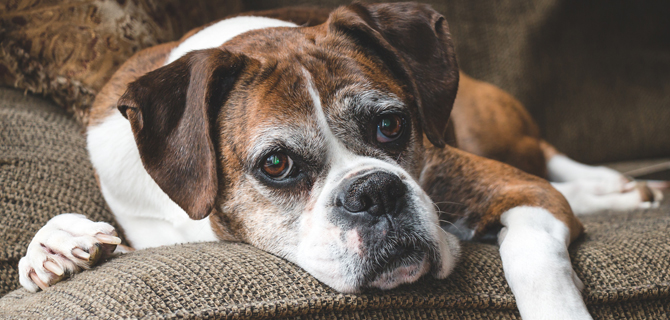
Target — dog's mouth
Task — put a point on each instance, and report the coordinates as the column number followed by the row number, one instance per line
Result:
column 352, row 261
column 398, row 262
column 403, row 272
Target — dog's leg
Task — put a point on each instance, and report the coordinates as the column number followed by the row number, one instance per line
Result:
column 534, row 252
column 491, row 123
column 590, row 189
column 67, row 244
column 535, row 222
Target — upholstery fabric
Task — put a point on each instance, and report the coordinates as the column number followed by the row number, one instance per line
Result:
column 44, row 171
column 623, row 259
column 67, row 50
column 595, row 75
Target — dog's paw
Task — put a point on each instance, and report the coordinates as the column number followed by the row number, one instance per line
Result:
column 67, row 244
column 651, row 196
column 563, row 169
column 589, row 196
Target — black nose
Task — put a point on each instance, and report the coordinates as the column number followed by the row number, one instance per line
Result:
column 376, row 193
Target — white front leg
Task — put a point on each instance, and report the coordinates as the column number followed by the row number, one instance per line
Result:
column 534, row 252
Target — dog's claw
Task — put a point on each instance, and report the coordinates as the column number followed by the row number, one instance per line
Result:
column 105, row 238
column 54, row 268
column 38, row 281
column 81, row 254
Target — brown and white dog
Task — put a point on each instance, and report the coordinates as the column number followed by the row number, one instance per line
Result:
column 329, row 145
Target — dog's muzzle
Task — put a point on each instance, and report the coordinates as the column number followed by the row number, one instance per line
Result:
column 377, row 206
column 373, row 227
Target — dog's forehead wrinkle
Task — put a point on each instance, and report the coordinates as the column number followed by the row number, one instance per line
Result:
column 364, row 96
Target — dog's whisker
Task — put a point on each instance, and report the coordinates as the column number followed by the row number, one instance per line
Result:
column 450, row 202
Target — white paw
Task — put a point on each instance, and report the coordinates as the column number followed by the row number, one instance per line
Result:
column 563, row 169
column 589, row 196
column 602, row 174
column 67, row 244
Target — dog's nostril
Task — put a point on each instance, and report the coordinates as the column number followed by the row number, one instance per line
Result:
column 376, row 194
column 354, row 201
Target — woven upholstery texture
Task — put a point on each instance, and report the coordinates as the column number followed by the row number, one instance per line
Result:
column 44, row 171
column 625, row 273
column 623, row 259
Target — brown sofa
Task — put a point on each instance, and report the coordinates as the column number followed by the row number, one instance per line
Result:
column 555, row 56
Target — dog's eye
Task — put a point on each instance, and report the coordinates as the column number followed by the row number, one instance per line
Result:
column 277, row 165
column 389, row 128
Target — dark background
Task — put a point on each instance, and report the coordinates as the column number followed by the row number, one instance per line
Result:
column 595, row 75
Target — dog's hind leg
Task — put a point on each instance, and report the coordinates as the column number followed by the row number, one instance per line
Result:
column 590, row 189
column 491, row 123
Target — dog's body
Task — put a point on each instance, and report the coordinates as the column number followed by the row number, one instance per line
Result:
column 355, row 113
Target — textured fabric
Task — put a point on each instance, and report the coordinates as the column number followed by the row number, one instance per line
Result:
column 44, row 171
column 595, row 75
column 67, row 50
column 623, row 259
column 625, row 274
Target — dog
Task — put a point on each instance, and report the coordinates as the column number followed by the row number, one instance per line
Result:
column 333, row 145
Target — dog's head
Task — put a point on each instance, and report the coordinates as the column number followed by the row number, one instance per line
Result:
column 308, row 142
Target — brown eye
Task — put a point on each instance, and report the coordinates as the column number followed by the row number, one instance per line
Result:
column 277, row 165
column 389, row 128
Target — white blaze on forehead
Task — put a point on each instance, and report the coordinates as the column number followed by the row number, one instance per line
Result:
column 335, row 148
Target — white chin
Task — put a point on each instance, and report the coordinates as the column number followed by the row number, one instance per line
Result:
column 401, row 275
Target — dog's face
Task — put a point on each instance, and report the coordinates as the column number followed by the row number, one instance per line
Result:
column 308, row 142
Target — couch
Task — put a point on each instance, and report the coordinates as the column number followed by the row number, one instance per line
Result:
column 594, row 77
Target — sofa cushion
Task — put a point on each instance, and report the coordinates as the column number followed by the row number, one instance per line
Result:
column 623, row 258
column 67, row 50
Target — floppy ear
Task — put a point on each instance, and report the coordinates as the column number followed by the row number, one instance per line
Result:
column 172, row 111
column 413, row 40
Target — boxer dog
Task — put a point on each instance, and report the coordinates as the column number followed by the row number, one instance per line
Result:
column 331, row 145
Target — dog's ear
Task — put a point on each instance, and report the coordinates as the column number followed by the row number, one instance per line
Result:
column 172, row 111
column 414, row 42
